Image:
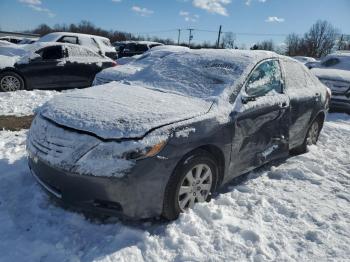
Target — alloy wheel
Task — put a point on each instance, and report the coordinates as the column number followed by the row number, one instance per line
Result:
column 10, row 83
column 195, row 186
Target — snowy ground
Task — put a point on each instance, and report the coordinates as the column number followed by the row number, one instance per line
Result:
column 21, row 103
column 296, row 210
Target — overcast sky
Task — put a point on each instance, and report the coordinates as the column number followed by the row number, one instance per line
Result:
column 162, row 17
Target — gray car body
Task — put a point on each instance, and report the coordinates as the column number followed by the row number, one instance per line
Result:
column 255, row 132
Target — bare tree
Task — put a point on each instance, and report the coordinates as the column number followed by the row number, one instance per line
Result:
column 294, row 45
column 321, row 39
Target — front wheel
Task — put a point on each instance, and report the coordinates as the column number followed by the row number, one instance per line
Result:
column 11, row 81
column 193, row 181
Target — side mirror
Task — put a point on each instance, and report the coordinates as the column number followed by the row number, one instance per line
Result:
column 246, row 99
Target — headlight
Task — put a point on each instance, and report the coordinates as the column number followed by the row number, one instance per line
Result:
column 145, row 152
column 115, row 159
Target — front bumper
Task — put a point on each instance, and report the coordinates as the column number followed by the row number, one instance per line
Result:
column 137, row 195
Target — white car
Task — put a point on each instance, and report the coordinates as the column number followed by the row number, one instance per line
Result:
column 334, row 71
column 99, row 44
column 130, row 65
column 305, row 59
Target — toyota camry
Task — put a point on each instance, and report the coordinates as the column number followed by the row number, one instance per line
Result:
column 161, row 136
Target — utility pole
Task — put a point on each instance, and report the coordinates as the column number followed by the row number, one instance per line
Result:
column 178, row 37
column 190, row 37
column 218, row 42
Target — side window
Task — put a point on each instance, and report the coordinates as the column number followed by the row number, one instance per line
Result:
column 330, row 62
column 69, row 39
column 141, row 48
column 266, row 77
column 77, row 51
column 52, row 52
column 130, row 48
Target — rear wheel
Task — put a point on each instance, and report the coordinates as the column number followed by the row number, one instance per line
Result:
column 311, row 137
column 192, row 182
column 11, row 81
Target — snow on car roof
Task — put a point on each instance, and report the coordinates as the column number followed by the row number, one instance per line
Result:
column 54, row 36
column 201, row 73
column 138, row 42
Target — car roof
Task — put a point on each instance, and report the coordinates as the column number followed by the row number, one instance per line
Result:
column 59, row 34
column 138, row 42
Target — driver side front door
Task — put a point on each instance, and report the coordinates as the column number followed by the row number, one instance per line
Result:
column 261, row 123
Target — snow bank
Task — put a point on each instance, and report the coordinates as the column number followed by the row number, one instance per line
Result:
column 21, row 103
column 297, row 210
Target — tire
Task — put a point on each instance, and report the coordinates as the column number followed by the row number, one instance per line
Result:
column 311, row 137
column 11, row 81
column 199, row 189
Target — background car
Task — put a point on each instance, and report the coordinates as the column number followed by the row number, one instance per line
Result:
column 12, row 39
column 99, row 44
column 51, row 66
column 334, row 71
column 136, row 63
column 26, row 41
column 305, row 59
column 172, row 132
column 131, row 48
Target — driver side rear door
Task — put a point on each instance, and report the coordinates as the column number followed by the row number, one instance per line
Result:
column 261, row 121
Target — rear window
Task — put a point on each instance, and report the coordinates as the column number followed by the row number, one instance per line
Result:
column 69, row 39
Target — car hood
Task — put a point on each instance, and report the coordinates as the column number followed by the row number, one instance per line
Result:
column 332, row 74
column 120, row 111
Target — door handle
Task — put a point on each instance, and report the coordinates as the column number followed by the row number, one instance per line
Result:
column 283, row 105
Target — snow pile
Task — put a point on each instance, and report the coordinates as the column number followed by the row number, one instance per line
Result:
column 296, row 210
column 21, row 103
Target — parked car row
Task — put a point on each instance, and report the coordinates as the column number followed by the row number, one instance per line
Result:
column 51, row 66
column 162, row 133
column 334, row 71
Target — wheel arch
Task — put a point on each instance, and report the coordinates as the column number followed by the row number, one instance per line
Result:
column 216, row 153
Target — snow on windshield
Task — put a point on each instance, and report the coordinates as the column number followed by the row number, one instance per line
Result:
column 200, row 73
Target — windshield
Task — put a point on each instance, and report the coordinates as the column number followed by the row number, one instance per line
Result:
column 196, row 73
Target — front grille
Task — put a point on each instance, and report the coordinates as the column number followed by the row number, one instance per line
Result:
column 49, row 139
column 56, row 145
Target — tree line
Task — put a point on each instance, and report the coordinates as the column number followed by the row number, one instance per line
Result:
column 321, row 39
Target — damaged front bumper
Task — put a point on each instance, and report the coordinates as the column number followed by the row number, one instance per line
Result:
column 139, row 194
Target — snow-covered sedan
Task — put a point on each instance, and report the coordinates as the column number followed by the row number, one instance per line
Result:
column 49, row 66
column 334, row 72
column 171, row 132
